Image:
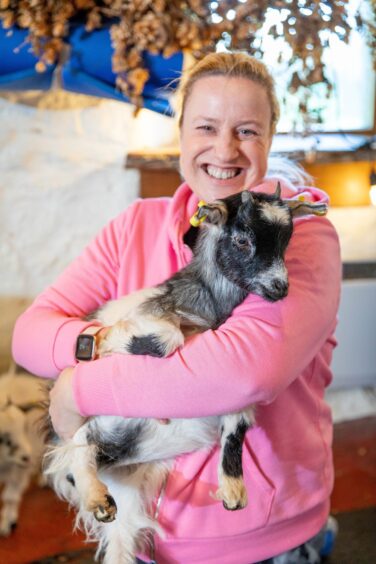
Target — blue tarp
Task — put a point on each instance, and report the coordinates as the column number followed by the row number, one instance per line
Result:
column 87, row 69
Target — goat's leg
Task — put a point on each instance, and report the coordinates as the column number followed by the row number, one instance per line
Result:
column 16, row 483
column 72, row 469
column 232, row 490
column 93, row 493
column 135, row 488
column 119, row 546
column 147, row 334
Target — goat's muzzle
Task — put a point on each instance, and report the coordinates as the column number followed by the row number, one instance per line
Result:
column 276, row 290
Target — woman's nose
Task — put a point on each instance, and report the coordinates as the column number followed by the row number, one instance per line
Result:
column 226, row 147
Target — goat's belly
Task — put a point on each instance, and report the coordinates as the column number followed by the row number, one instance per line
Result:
column 129, row 441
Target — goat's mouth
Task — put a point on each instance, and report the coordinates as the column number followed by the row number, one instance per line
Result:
column 272, row 295
column 221, row 173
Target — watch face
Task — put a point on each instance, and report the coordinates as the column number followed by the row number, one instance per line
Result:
column 85, row 347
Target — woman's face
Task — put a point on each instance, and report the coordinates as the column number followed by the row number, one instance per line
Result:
column 225, row 136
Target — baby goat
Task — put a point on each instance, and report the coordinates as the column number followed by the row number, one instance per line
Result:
column 240, row 249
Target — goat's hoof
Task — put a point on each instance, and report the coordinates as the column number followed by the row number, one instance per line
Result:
column 233, row 494
column 105, row 513
column 232, row 508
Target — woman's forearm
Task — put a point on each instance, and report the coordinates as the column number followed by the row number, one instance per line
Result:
column 45, row 335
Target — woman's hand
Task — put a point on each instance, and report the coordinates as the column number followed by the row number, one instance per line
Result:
column 64, row 414
column 65, row 417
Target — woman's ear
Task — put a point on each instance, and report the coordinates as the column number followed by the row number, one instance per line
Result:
column 214, row 213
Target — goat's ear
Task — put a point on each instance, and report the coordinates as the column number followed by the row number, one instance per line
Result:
column 300, row 208
column 215, row 213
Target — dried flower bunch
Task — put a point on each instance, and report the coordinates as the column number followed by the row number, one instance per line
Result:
column 168, row 26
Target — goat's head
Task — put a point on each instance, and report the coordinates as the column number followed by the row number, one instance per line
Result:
column 15, row 447
column 251, row 232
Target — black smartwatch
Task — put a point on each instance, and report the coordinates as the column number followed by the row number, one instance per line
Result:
column 86, row 345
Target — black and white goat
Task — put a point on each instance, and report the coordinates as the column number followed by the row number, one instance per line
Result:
column 240, row 249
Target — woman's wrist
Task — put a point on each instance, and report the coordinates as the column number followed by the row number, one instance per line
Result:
column 88, row 342
column 64, row 412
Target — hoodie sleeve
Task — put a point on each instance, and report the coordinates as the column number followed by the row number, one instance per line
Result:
column 251, row 358
column 45, row 334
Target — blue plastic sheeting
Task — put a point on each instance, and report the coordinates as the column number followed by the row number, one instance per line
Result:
column 17, row 63
column 87, row 69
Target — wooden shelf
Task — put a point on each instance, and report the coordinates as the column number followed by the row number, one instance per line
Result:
column 344, row 175
column 168, row 158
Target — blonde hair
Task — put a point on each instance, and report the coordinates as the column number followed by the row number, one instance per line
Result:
column 231, row 65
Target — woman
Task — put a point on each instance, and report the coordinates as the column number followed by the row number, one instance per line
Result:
column 276, row 355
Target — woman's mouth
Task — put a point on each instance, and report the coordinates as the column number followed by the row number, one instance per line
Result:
column 220, row 173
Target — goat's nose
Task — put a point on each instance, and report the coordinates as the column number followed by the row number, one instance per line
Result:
column 280, row 287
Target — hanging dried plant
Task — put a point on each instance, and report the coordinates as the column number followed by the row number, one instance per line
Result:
column 167, row 26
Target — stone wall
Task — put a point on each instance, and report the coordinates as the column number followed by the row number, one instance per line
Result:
column 62, row 177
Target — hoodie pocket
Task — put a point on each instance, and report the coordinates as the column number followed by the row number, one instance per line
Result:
column 189, row 508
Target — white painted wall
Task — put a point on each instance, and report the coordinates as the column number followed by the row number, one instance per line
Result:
column 62, row 177
column 356, row 227
column 354, row 360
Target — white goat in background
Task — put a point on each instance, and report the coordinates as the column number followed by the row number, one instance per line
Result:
column 21, row 440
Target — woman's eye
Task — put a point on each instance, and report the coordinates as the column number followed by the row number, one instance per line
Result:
column 247, row 132
column 205, row 127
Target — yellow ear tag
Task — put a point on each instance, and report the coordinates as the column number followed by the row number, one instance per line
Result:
column 301, row 198
column 195, row 220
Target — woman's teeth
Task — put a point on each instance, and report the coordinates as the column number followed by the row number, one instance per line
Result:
column 221, row 173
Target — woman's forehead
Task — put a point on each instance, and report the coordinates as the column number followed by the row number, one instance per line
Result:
column 221, row 97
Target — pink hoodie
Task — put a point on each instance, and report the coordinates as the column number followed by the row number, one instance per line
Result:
column 273, row 354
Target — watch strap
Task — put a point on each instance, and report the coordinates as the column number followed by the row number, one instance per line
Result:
column 91, row 330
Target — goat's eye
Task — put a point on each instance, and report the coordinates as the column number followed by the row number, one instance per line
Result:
column 242, row 242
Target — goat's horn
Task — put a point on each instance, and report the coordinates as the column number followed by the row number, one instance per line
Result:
column 277, row 192
column 246, row 196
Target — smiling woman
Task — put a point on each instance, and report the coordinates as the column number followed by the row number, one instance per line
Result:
column 276, row 355
column 225, row 141
column 225, row 148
